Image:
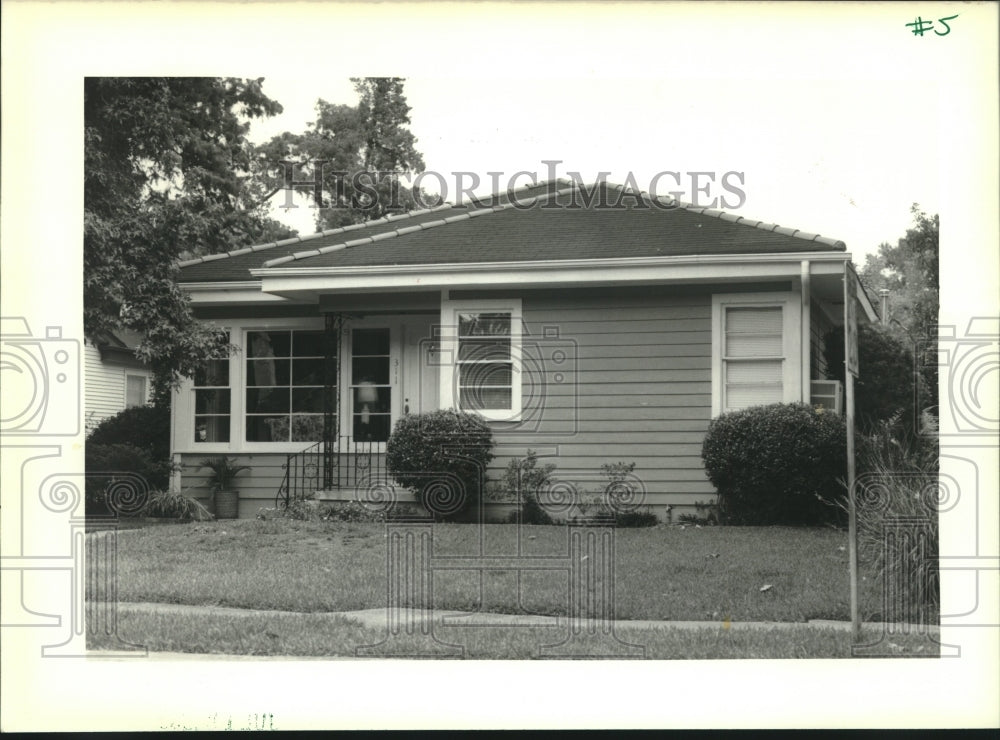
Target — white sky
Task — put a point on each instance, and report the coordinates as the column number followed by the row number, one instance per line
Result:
column 844, row 158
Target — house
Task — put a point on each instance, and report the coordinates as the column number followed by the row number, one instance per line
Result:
column 115, row 378
column 590, row 329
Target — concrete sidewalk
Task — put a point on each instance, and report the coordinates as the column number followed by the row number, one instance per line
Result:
column 379, row 619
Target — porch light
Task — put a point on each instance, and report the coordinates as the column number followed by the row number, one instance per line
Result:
column 367, row 393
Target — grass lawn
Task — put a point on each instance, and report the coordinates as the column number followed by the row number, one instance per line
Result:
column 709, row 573
column 314, row 635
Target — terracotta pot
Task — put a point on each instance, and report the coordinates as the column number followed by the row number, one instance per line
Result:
column 227, row 504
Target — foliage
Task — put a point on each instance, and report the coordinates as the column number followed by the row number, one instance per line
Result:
column 705, row 514
column 168, row 503
column 122, row 464
column 442, row 457
column 776, row 464
column 885, row 384
column 147, row 427
column 638, row 518
column 348, row 140
column 309, row 510
column 224, row 471
column 898, row 485
column 909, row 270
column 168, row 173
column 525, row 478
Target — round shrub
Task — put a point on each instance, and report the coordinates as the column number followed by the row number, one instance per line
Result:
column 135, row 470
column 147, row 427
column 442, row 457
column 777, row 464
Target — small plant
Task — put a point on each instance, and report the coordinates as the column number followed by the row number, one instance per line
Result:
column 705, row 515
column 525, row 478
column 224, row 472
column 617, row 501
column 176, row 504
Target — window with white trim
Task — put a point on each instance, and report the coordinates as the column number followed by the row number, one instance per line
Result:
column 284, row 386
column 212, row 402
column 755, row 350
column 135, row 390
column 753, row 356
column 485, row 338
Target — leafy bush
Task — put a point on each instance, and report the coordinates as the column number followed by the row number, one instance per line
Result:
column 777, row 464
column 525, row 479
column 138, row 474
column 442, row 457
column 146, row 427
column 885, row 386
column 175, row 504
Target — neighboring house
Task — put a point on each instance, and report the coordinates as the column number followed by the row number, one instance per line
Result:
column 115, row 379
column 589, row 334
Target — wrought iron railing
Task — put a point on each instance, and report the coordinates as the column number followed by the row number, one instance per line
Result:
column 351, row 464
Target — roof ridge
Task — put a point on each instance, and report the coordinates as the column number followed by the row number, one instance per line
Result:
column 467, row 215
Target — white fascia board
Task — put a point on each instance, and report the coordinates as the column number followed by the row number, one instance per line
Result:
column 228, row 293
column 547, row 272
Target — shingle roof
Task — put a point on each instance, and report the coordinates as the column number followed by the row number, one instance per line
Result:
column 497, row 231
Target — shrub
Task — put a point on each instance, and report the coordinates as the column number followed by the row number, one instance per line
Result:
column 885, row 385
column 777, row 464
column 442, row 457
column 175, row 504
column 131, row 492
column 525, row 479
column 146, row 427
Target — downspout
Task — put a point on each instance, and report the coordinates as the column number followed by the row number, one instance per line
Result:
column 806, row 337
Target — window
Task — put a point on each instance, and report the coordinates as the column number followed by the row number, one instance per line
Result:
column 371, row 392
column 284, row 386
column 212, row 402
column 755, row 350
column 135, row 390
column 485, row 375
column 753, row 355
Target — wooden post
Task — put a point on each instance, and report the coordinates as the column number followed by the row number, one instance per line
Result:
column 850, row 370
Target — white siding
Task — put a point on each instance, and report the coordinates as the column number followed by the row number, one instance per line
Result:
column 104, row 386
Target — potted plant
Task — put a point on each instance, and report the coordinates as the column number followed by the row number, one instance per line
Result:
column 224, row 470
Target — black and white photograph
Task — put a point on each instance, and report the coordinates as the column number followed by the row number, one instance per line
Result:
column 500, row 366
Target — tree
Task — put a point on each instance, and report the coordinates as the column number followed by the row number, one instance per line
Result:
column 885, row 387
column 353, row 143
column 909, row 270
column 168, row 173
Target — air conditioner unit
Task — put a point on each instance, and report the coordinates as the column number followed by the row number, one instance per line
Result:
column 826, row 393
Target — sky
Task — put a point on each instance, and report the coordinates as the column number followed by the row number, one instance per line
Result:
column 829, row 156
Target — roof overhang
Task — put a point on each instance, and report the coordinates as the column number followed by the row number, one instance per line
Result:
column 300, row 281
column 304, row 285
